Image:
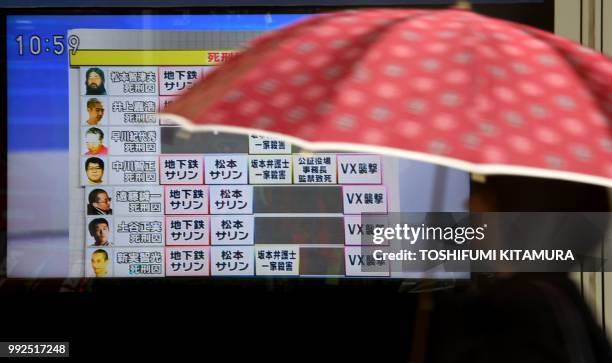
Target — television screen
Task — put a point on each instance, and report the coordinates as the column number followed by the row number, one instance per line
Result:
column 100, row 186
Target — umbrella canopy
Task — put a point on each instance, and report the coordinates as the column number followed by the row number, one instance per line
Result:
column 449, row 86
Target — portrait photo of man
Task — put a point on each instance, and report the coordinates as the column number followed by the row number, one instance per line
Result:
column 99, row 203
column 94, row 141
column 94, row 82
column 99, row 263
column 100, row 231
column 94, row 170
column 95, row 111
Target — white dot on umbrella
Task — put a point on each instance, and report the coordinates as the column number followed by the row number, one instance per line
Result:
column 488, row 128
column 410, row 128
column 281, row 100
column 488, row 52
column 445, row 122
column 263, row 122
column 249, row 107
column 300, row 79
column 373, row 136
column 287, row 66
column 438, row 147
column 598, row 119
column 423, row 84
column 535, row 44
column 512, row 50
column 470, row 140
column 446, row 34
column 326, row 30
column 387, row 90
column 493, row 154
column 324, row 108
column 356, row 31
column 296, row 114
column 456, row 77
column 314, row 92
column 547, row 60
column 338, row 43
column 430, row 65
column 500, row 36
column 513, row 118
column 268, row 86
column 351, row 97
column 463, row 58
column 530, row 89
column 402, row 51
column 520, row 144
column 505, row 94
column 233, row 96
column 582, row 152
column 547, row 136
column 437, row 47
column 538, row 111
column 319, row 60
column 556, row 79
column 306, row 47
column 410, row 35
column 333, row 72
column 380, row 113
column 345, row 122
column 521, row 68
column 573, row 126
column 565, row 102
column 554, row 161
column 497, row 72
column 419, row 24
column 393, row 70
column 416, row 106
column 606, row 144
column 307, row 131
column 361, row 74
column 450, row 99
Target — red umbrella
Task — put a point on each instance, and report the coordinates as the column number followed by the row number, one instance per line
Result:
column 450, row 87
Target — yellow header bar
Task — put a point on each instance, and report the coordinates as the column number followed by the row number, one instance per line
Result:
column 151, row 57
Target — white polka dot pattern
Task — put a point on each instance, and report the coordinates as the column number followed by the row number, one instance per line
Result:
column 449, row 83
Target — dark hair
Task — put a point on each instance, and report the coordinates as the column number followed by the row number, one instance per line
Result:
column 93, row 195
column 101, row 251
column 95, row 131
column 94, row 222
column 96, row 70
column 101, row 90
column 94, row 161
column 525, row 194
column 93, row 101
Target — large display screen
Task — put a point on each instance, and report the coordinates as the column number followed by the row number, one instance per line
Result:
column 100, row 186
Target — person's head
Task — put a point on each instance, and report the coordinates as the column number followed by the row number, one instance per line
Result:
column 99, row 262
column 94, row 169
column 98, row 229
column 99, row 198
column 507, row 193
column 95, row 110
column 94, row 82
column 94, row 140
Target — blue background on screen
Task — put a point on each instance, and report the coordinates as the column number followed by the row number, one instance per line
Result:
column 37, row 85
